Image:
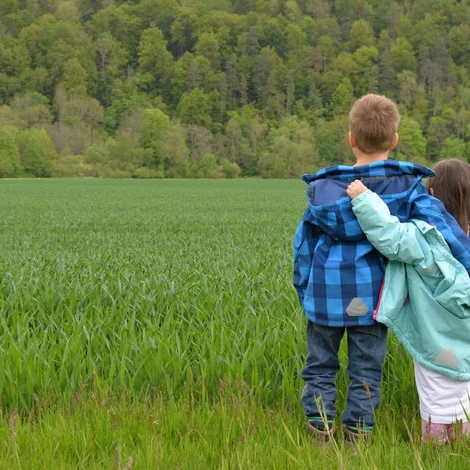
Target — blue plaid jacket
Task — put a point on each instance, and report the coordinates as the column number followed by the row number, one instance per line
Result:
column 338, row 274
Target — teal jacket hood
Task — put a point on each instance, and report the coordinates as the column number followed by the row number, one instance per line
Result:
column 425, row 300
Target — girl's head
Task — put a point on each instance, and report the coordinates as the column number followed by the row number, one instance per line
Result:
column 452, row 186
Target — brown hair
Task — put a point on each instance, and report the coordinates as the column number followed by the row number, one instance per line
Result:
column 452, row 186
column 373, row 121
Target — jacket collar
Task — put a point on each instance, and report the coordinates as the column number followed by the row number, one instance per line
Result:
column 383, row 168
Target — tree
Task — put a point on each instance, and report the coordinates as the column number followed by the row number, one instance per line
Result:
column 402, row 55
column 347, row 11
column 408, row 88
column 208, row 166
column 122, row 156
column 154, row 59
column 238, row 146
column 27, row 111
column 343, row 98
column 155, row 125
column 82, row 112
column 290, row 92
column 314, row 100
column 175, row 151
column 328, row 49
column 345, row 64
column 243, row 91
column 208, row 47
column 111, row 56
column 438, row 130
column 453, row 147
column 326, row 142
column 125, row 99
column 75, row 78
column 386, row 72
column 160, row 13
column 67, row 11
column 121, row 24
column 200, row 75
column 232, row 80
column 200, row 141
column 296, row 38
column 394, row 13
column 9, row 157
column 361, row 34
column 459, row 39
column 37, row 152
column 234, row 134
column 274, row 163
column 264, row 78
column 78, row 125
column 327, row 84
column 231, row 170
column 182, row 29
column 195, row 108
column 8, row 7
column 428, row 30
column 406, row 29
column 411, row 142
column 291, row 150
column 88, row 8
column 367, row 73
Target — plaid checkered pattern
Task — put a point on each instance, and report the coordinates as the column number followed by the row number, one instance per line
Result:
column 335, row 266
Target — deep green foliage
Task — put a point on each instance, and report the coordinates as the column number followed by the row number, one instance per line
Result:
column 227, row 75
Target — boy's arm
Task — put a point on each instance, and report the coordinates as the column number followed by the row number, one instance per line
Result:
column 395, row 240
column 305, row 240
column 429, row 209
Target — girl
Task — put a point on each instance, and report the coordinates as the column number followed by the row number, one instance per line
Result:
column 425, row 299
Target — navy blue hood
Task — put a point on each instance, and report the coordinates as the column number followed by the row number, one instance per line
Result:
column 330, row 206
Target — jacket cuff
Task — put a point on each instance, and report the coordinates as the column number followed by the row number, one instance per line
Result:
column 359, row 199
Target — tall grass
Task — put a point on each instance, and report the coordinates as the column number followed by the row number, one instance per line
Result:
column 148, row 285
column 177, row 296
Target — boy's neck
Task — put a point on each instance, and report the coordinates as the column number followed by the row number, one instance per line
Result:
column 368, row 158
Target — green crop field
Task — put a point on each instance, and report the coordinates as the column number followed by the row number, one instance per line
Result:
column 153, row 324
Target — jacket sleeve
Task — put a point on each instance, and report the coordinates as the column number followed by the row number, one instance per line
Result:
column 305, row 240
column 429, row 209
column 395, row 240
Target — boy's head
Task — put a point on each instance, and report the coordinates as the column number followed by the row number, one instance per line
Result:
column 373, row 123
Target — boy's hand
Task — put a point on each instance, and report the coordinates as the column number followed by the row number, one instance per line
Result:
column 355, row 189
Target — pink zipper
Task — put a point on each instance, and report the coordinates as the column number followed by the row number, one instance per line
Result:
column 374, row 314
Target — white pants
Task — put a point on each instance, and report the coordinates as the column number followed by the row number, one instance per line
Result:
column 442, row 400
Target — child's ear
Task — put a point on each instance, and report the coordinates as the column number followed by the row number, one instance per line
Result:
column 394, row 141
column 431, row 191
column 352, row 140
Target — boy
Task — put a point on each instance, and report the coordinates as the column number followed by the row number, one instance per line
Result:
column 338, row 274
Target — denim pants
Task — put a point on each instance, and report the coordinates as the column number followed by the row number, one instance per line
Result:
column 366, row 351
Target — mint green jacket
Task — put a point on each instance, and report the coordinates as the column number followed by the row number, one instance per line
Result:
column 425, row 298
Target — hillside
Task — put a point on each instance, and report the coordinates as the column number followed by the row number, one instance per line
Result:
column 209, row 88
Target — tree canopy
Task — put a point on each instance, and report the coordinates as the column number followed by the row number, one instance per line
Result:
column 161, row 88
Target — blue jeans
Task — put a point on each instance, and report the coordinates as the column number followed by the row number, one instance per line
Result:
column 366, row 351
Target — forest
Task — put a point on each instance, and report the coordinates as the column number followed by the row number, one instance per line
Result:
column 219, row 88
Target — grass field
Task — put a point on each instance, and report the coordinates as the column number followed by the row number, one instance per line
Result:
column 153, row 324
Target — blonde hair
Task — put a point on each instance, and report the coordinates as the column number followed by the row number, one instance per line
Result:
column 373, row 121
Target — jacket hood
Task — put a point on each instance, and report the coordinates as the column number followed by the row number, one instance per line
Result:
column 381, row 168
column 330, row 206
